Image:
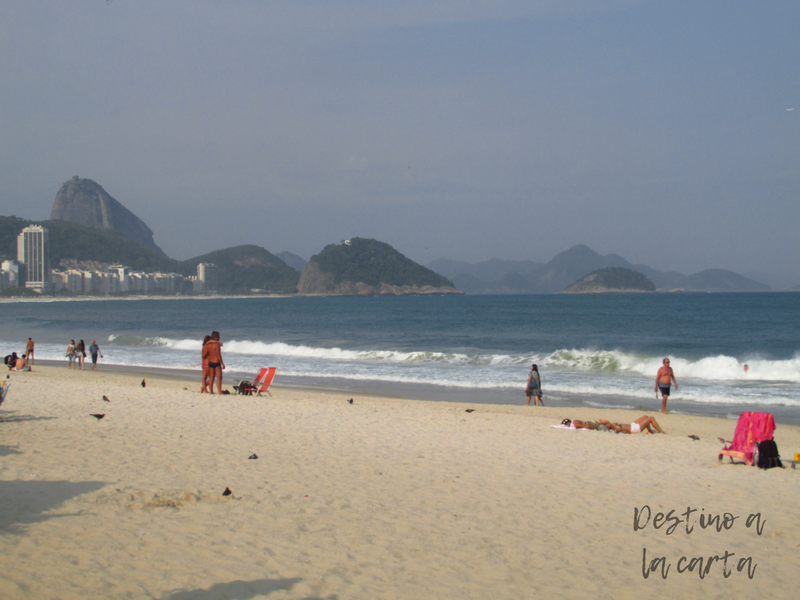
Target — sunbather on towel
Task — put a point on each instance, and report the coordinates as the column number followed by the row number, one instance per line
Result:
column 598, row 425
column 642, row 424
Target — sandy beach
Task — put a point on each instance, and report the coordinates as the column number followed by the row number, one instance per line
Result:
column 381, row 498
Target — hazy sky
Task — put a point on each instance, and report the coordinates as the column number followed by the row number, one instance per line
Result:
column 657, row 130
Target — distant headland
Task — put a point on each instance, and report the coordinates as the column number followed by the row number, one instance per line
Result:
column 98, row 247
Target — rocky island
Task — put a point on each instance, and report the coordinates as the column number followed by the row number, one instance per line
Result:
column 613, row 279
column 366, row 267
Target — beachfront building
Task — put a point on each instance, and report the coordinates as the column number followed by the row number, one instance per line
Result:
column 207, row 278
column 11, row 275
column 33, row 251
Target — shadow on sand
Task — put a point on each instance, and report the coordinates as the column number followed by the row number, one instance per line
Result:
column 20, row 418
column 25, row 502
column 9, row 450
column 236, row 590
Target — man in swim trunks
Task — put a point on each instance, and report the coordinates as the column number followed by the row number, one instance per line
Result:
column 212, row 356
column 29, row 351
column 664, row 377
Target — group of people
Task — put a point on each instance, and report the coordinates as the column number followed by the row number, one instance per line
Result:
column 76, row 353
column 21, row 362
column 664, row 379
column 212, row 363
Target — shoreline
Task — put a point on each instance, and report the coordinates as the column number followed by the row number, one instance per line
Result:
column 428, row 392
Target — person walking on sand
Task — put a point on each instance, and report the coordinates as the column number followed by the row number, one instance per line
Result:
column 70, row 354
column 212, row 355
column 94, row 350
column 29, row 351
column 534, row 387
column 80, row 353
column 664, row 378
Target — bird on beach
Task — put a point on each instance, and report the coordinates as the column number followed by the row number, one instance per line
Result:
column 470, row 410
column 96, row 416
column 227, row 492
column 144, row 383
column 105, row 399
column 350, row 401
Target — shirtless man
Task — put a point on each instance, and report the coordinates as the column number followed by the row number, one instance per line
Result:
column 664, row 377
column 21, row 364
column 29, row 351
column 212, row 356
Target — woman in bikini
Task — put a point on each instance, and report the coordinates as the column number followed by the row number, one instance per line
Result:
column 642, row 424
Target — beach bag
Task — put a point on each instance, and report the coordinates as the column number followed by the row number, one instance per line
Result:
column 768, row 456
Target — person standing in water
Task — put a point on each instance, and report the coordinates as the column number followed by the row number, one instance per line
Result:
column 664, row 379
column 534, row 387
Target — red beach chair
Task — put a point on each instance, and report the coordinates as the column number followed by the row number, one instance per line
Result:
column 752, row 429
column 261, row 384
column 264, row 380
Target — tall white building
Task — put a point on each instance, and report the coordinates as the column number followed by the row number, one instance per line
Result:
column 33, row 251
column 208, row 276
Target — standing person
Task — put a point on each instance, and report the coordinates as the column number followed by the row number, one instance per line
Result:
column 80, row 353
column 534, row 387
column 94, row 349
column 206, row 370
column 29, row 351
column 71, row 354
column 664, row 378
column 212, row 354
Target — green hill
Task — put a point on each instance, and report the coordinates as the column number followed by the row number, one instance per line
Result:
column 364, row 267
column 247, row 267
column 68, row 240
column 613, row 279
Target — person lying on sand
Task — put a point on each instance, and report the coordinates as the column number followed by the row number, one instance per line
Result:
column 598, row 425
column 642, row 424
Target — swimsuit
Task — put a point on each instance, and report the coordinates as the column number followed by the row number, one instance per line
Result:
column 664, row 388
column 635, row 427
column 213, row 365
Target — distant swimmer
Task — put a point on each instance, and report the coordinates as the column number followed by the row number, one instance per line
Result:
column 664, row 379
column 746, row 369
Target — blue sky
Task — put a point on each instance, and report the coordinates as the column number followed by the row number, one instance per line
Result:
column 467, row 130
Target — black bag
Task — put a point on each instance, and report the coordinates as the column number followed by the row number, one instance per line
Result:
column 768, row 456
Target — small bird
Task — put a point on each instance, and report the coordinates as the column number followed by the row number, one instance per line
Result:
column 350, row 401
column 105, row 399
column 96, row 416
column 470, row 410
column 227, row 492
column 144, row 383
column 694, row 437
column 253, row 456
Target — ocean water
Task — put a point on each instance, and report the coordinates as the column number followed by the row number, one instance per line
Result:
column 596, row 350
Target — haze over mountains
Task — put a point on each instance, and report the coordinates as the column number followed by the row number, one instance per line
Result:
column 527, row 277
column 83, row 203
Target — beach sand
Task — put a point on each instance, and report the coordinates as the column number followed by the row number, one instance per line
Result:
column 382, row 498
